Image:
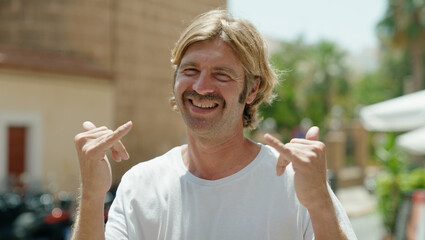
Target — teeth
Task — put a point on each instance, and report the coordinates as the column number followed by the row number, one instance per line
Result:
column 204, row 105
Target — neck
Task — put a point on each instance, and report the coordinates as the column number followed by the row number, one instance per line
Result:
column 219, row 157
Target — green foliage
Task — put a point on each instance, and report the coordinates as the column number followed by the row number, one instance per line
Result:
column 396, row 180
column 401, row 32
column 370, row 89
column 402, row 29
column 313, row 78
column 388, row 189
column 403, row 20
column 392, row 159
column 395, row 67
column 415, row 179
column 389, row 198
column 284, row 109
column 386, row 82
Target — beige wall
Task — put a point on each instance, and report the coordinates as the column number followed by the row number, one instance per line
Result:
column 130, row 40
column 62, row 102
column 73, row 28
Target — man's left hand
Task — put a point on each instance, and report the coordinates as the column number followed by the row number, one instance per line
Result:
column 308, row 161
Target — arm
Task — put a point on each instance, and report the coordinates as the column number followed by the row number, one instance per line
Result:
column 308, row 160
column 96, row 178
column 89, row 221
column 325, row 222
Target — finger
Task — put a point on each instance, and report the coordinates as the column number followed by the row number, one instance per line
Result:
column 117, row 149
column 312, row 134
column 87, row 125
column 111, row 139
column 116, row 156
column 119, row 152
column 280, row 171
column 91, row 134
column 274, row 142
column 97, row 133
column 281, row 165
column 81, row 138
column 302, row 141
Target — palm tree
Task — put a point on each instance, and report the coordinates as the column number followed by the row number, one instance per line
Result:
column 328, row 74
column 403, row 27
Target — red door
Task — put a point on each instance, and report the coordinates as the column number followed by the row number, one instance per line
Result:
column 16, row 158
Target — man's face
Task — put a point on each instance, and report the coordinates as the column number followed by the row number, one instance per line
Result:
column 207, row 88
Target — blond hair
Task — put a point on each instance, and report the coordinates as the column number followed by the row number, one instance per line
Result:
column 248, row 45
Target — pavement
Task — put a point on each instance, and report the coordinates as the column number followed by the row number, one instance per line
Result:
column 357, row 201
column 361, row 208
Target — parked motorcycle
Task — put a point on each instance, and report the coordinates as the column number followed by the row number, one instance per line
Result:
column 39, row 218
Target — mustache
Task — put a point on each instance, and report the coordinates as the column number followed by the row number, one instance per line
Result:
column 208, row 97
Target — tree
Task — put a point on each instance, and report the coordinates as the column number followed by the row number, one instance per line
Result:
column 325, row 80
column 313, row 79
column 382, row 84
column 403, row 27
column 285, row 110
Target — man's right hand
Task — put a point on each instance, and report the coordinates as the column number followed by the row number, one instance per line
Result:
column 92, row 146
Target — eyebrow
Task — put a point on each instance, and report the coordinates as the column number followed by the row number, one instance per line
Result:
column 188, row 64
column 228, row 70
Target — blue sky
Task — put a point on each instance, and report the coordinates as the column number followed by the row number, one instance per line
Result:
column 349, row 23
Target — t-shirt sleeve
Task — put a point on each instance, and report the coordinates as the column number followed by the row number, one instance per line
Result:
column 309, row 233
column 116, row 226
column 343, row 220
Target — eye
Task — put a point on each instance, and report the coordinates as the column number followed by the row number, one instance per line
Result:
column 190, row 71
column 222, row 76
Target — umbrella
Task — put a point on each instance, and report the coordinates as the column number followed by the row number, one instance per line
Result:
column 413, row 141
column 405, row 113
column 395, row 115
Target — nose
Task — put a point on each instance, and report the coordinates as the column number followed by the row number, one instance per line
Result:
column 204, row 84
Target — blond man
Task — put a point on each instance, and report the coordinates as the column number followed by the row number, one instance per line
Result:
column 220, row 185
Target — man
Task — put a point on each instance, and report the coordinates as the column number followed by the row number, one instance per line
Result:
column 220, row 185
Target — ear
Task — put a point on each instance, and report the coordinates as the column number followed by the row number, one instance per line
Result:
column 254, row 90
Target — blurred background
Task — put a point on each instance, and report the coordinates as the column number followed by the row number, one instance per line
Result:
column 353, row 68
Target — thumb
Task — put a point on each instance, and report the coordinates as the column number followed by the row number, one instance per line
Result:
column 312, row 134
column 87, row 125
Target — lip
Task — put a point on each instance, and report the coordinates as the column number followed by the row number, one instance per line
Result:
column 201, row 110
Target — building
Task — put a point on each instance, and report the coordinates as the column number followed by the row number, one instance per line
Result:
column 64, row 62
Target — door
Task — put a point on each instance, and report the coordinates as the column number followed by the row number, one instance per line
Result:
column 16, row 150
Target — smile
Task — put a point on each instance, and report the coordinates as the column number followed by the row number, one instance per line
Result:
column 203, row 104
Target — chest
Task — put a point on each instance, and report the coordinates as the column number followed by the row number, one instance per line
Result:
column 241, row 210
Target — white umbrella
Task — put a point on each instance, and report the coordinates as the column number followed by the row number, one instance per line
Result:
column 405, row 113
column 395, row 115
column 413, row 141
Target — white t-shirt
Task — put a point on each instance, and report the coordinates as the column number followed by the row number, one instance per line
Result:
column 161, row 199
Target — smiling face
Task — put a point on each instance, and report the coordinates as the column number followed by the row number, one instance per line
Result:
column 208, row 85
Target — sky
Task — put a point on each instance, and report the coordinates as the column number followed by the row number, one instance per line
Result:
column 349, row 23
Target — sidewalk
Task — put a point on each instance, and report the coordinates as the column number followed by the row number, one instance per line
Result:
column 357, row 201
column 361, row 209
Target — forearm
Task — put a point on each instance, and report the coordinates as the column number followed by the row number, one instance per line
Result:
column 89, row 222
column 325, row 222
